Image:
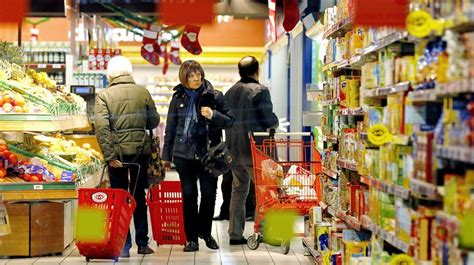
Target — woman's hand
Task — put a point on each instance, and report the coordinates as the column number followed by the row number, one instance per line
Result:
column 167, row 165
column 206, row 112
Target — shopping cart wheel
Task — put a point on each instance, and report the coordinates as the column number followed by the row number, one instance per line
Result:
column 116, row 259
column 88, row 259
column 285, row 247
column 253, row 241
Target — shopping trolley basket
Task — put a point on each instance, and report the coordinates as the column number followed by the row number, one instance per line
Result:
column 285, row 177
column 165, row 202
column 112, row 209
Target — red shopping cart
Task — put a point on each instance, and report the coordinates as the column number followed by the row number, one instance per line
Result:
column 112, row 211
column 165, row 202
column 285, row 178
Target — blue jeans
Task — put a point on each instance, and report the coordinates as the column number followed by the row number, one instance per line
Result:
column 196, row 221
column 119, row 179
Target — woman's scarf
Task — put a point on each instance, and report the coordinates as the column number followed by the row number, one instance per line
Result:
column 191, row 112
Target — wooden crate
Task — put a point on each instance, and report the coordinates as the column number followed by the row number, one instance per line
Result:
column 34, row 228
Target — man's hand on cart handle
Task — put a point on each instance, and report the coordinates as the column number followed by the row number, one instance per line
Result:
column 115, row 163
column 167, row 165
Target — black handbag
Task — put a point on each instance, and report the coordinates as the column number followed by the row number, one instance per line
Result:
column 217, row 160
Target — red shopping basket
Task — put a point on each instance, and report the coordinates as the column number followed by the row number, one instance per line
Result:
column 119, row 206
column 108, row 213
column 165, row 201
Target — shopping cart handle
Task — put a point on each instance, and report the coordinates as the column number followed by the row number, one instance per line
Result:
column 283, row 134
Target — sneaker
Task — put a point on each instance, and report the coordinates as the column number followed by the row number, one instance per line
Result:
column 241, row 241
column 125, row 253
column 210, row 242
column 191, row 247
column 145, row 250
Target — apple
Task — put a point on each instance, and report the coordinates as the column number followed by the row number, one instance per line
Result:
column 18, row 109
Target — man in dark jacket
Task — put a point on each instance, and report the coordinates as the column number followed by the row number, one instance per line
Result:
column 251, row 104
column 123, row 114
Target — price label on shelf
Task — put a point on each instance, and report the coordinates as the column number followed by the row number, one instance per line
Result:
column 56, row 66
column 38, row 187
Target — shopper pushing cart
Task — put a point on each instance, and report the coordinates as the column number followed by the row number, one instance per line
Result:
column 285, row 176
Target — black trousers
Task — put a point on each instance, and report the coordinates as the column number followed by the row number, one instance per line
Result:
column 119, row 179
column 226, row 188
column 197, row 221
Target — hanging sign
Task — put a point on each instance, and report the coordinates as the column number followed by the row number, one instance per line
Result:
column 13, row 11
column 184, row 12
column 381, row 12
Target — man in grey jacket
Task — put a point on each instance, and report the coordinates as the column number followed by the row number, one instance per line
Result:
column 123, row 114
column 252, row 107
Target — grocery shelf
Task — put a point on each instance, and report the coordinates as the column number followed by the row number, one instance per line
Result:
column 350, row 220
column 27, row 191
column 420, row 96
column 389, row 237
column 351, row 112
column 455, row 88
column 341, row 27
column 347, row 164
column 393, row 189
column 161, row 103
column 383, row 92
column 457, row 153
column 384, row 42
column 58, row 66
column 330, row 173
column 162, row 93
column 308, row 242
column 425, row 189
column 42, row 122
column 330, row 102
column 330, row 139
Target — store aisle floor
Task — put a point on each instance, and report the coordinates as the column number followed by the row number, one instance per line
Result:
column 174, row 255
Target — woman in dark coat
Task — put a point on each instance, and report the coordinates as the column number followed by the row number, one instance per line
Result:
column 197, row 114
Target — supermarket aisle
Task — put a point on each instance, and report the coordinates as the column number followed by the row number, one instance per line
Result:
column 173, row 255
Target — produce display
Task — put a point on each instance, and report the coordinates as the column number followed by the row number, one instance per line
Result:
column 43, row 158
column 398, row 141
column 36, row 93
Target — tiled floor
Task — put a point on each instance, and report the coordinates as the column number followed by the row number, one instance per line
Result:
column 174, row 255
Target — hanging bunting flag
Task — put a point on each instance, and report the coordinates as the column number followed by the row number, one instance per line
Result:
column 13, row 11
column 381, row 12
column 185, row 12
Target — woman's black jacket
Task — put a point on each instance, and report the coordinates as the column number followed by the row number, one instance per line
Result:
column 175, row 145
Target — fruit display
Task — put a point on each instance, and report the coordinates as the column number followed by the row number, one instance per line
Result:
column 47, row 159
column 40, row 93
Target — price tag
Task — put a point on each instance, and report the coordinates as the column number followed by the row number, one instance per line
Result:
column 38, row 187
column 56, row 66
column 41, row 66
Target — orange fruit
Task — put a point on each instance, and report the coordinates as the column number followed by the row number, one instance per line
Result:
column 7, row 98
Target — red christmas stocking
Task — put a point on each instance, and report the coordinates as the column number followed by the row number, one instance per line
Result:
column 189, row 40
column 148, row 51
column 272, row 18
column 174, row 53
column 292, row 14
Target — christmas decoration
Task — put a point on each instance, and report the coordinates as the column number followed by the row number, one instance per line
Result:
column 292, row 14
column 272, row 18
column 189, row 40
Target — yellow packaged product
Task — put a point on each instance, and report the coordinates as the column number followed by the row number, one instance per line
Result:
column 353, row 248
